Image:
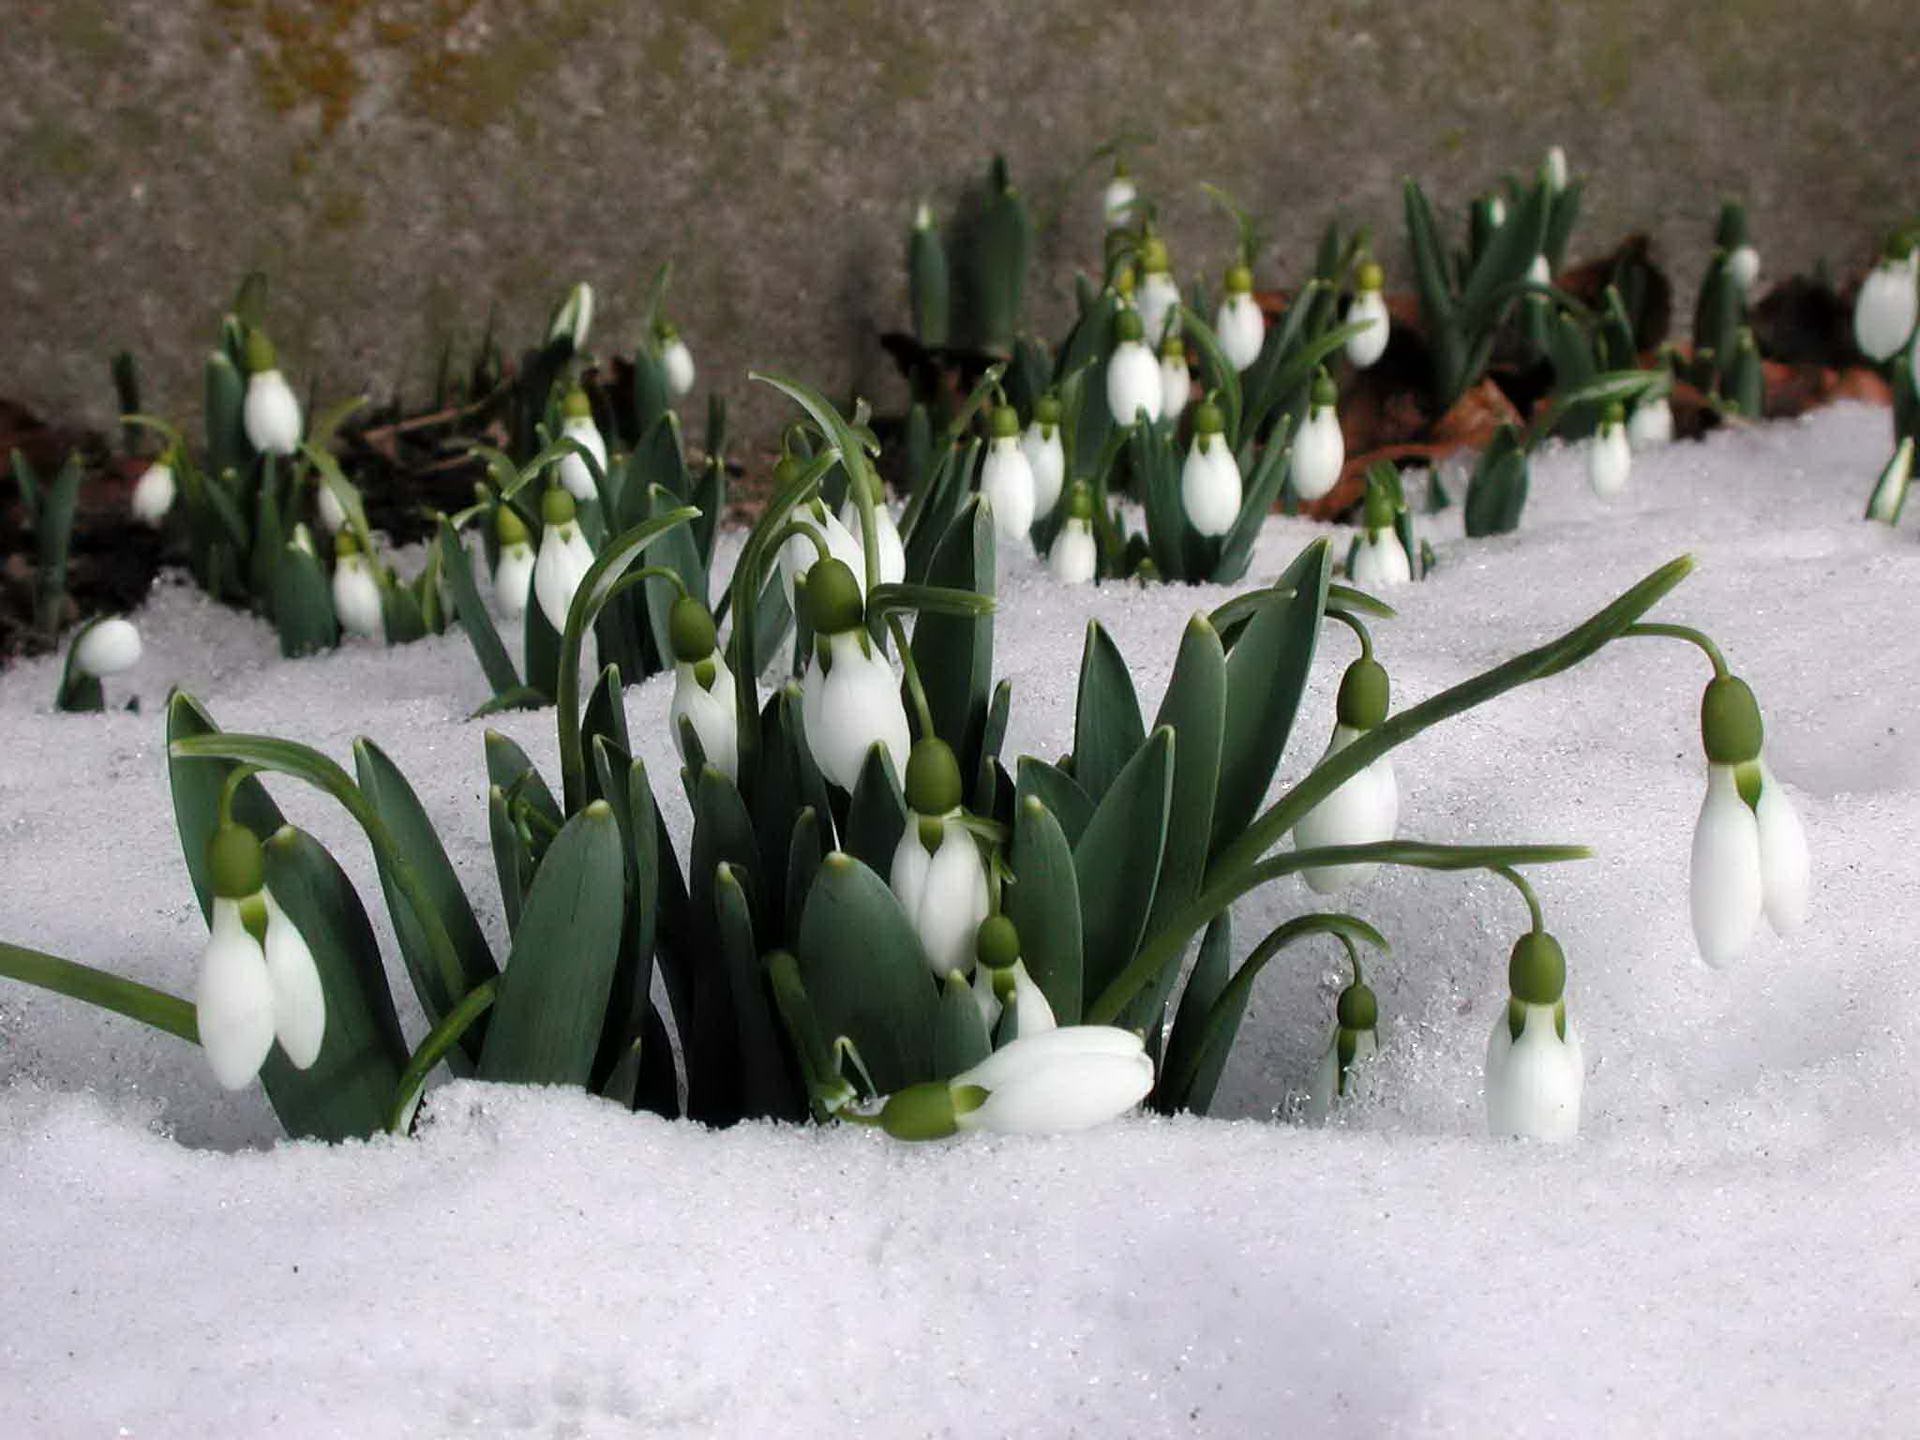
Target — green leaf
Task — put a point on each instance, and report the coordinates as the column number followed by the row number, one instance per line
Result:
column 1071, row 806
column 1044, row 904
column 545, row 1026
column 877, row 813
column 1211, row 970
column 196, row 785
column 960, row 1039
column 401, row 615
column 1107, row 729
column 457, row 565
column 723, row 839
column 767, row 1088
column 512, row 859
column 303, row 605
column 804, row 854
column 1497, row 490
column 1117, row 861
column 605, row 718
column 954, row 653
column 1195, row 710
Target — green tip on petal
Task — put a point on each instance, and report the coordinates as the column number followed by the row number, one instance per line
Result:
column 508, row 527
column 1371, row 276
column 1364, row 695
column 556, row 506
column 933, row 776
column 576, row 405
column 1537, row 970
column 1127, row 325
column 833, row 598
column 1006, row 422
column 235, row 862
column 260, row 356
column 690, row 630
column 997, row 945
column 1730, row 727
column 1358, row 1008
column 1325, row 394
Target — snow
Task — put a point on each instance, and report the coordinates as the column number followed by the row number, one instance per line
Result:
column 1731, row 1246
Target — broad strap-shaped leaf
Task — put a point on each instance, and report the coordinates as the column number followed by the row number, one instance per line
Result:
column 513, row 864
column 1069, row 805
column 303, row 606
column 954, row 653
column 1044, row 904
column 876, row 814
column 1194, row 708
column 605, row 718
column 804, row 854
column 1107, row 729
column 1181, row 1085
column 196, row 785
column 960, row 1039
column 767, row 1088
column 1117, row 861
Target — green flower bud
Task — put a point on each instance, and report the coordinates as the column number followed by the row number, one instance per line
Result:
column 1730, row 726
column 260, row 354
column 1379, row 508
column 1371, row 277
column 1325, row 394
column 1239, row 280
column 921, row 1112
column 1358, row 1008
column 1153, row 255
column 834, row 603
column 690, row 630
column 344, row 544
column 556, row 506
column 1174, row 347
column 576, row 405
column 997, row 945
column 786, row 470
column 508, row 527
column 1362, row 702
column 1207, row 419
column 1046, row 410
column 1080, row 502
column 1127, row 325
column 235, row 862
column 1537, row 971
column 1006, row 422
column 933, row 777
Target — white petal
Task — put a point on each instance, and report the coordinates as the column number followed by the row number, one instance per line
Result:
column 1047, row 458
column 1380, row 562
column 1117, row 200
column 1885, row 309
column 556, row 573
column 1369, row 307
column 1363, row 810
column 333, row 515
column 1650, row 425
column 575, row 474
column 1069, row 1041
column 984, row 998
column 1318, row 453
column 1006, row 479
column 1534, row 1083
column 1176, row 384
column 1785, row 869
column 1609, row 460
column 1241, row 330
column 356, row 598
column 233, row 1000
column 845, row 713
column 1155, row 299
column 1133, row 382
column 1210, row 487
column 512, row 578
column 886, row 534
column 712, row 713
column 908, row 878
column 953, row 903
column 1726, row 882
column 299, row 1003
column 1323, row 1092
column 270, row 415
column 1032, row 1013
column 677, row 361
column 1075, row 557
column 1061, row 1096
column 153, row 493
column 1744, row 265
column 107, row 648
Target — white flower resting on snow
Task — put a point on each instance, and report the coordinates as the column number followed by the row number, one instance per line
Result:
column 676, row 362
column 1535, row 1070
column 1365, row 808
column 1749, row 850
column 1369, row 308
column 1210, row 488
column 1319, row 450
column 563, row 560
column 1006, row 478
column 1238, row 323
column 107, row 647
column 849, row 697
column 703, row 693
column 1075, row 557
column 1744, row 266
column 1046, row 455
column 1885, row 310
column 1133, row 376
column 356, row 590
column 1060, row 1080
column 1116, row 203
column 153, row 493
column 270, row 415
column 891, row 552
column 1609, row 456
column 798, row 554
column 1651, row 423
column 513, row 571
column 1176, row 380
column 577, row 425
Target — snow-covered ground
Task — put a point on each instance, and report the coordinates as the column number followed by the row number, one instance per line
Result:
column 1732, row 1247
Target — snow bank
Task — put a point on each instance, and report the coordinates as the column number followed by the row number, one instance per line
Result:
column 1731, row 1246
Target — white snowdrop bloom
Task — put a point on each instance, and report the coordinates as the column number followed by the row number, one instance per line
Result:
column 938, row 873
column 333, row 515
column 1380, row 561
column 891, row 551
column 1155, row 294
column 997, row 991
column 513, row 571
column 1240, row 326
column 703, row 691
column 1365, row 807
column 1609, row 456
column 1006, row 478
column 849, row 697
column 563, row 559
column 1651, row 424
column 356, row 590
column 798, row 554
column 1056, row 1082
column 1369, row 308
column 1352, row 1044
column 1176, row 380
column 676, row 362
column 270, row 415
column 577, row 425
column 574, row 318
column 1319, row 450
column 1538, row 272
column 1496, row 211
column 1786, row 867
column 1210, row 487
column 1046, row 455
column 1726, row 890
column 1075, row 557
column 1534, row 1083
column 1744, row 265
column 1116, row 203
column 1133, row 376
column 1885, row 310
column 153, row 493
column 233, row 999
column 107, row 647
column 1556, row 168
column 299, row 1002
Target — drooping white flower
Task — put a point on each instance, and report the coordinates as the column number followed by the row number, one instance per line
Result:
column 1786, row 866
column 153, row 493
column 1046, row 455
column 1609, row 457
column 1006, row 478
column 1155, row 294
column 577, row 425
column 703, row 691
column 1352, row 1044
column 333, row 515
column 1743, row 264
column 1116, row 203
column 1380, row 561
column 1176, row 380
column 1885, row 310
column 1240, row 326
column 356, row 590
column 892, row 552
column 1319, row 450
column 1726, row 889
column 574, row 318
column 1651, row 423
column 513, row 571
column 676, row 362
column 1075, row 557
column 798, row 554
column 107, row 647
column 563, row 560
column 270, row 414
column 1057, row 1081
column 938, row 874
column 1365, row 807
column 299, row 1003
column 1535, row 1069
column 1369, row 308
column 1001, row 982
column 1210, row 486
column 1133, row 376
column 849, row 697
column 233, row 999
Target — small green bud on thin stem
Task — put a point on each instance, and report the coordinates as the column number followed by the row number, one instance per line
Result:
column 690, row 630
column 1730, row 727
column 1537, row 970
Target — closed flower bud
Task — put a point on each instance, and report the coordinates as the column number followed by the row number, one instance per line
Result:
column 1609, row 458
column 892, row 552
column 574, row 319
column 1116, row 203
column 1075, row 557
column 270, row 415
column 676, row 362
column 1057, row 1081
column 153, row 493
column 107, row 647
column 849, row 697
column 1884, row 311
column 513, row 572
column 1369, row 308
column 1240, row 326
column 356, row 590
column 1651, row 423
column 1210, row 486
column 1046, row 457
column 1176, row 380
column 333, row 515
column 1364, row 808
column 704, row 697
column 1319, row 450
column 1155, row 293
column 938, row 874
column 1535, row 1069
column 563, row 560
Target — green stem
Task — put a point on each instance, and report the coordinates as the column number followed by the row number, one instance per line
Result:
column 1519, row 882
column 166, row 1013
column 922, row 711
column 1353, row 623
column 442, row 1038
column 1651, row 630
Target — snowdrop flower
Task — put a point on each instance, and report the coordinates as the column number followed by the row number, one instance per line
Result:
column 798, row 553
column 1369, row 308
column 258, row 980
column 1075, row 557
column 564, row 557
column 703, row 693
column 576, row 424
column 1352, row 1044
column 1556, row 168
column 938, row 874
column 356, row 590
column 333, row 515
column 1239, row 324
column 1156, row 295
column 1749, row 850
column 270, row 415
column 1001, row 984
column 1380, row 561
column 513, row 571
column 1538, row 272
column 1176, row 380
column 1890, row 490
column 1609, row 457
column 1319, row 450
column 153, row 492
column 1535, row 1071
column 1071, row 1078
column 1046, row 455
column 1133, row 379
column 1743, row 263
column 1496, row 211
column 676, row 361
column 1006, row 479
column 891, row 551
column 849, row 697
column 1651, row 424
column 1365, row 808
column 107, row 647
column 1210, row 487
column 1116, row 203
column 1887, row 305
column 574, row 318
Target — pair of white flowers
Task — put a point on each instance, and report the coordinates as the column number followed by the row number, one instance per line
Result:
column 1058, row 1081
column 554, row 572
column 1379, row 560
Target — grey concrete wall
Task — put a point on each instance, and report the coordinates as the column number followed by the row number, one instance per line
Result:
column 398, row 166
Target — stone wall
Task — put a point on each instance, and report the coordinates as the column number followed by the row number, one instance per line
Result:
column 399, row 167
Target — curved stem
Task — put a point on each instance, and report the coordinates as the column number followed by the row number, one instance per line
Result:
column 442, row 1038
column 1519, row 882
column 916, row 692
column 1353, row 623
column 799, row 529
column 1650, row 630
column 166, row 1013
